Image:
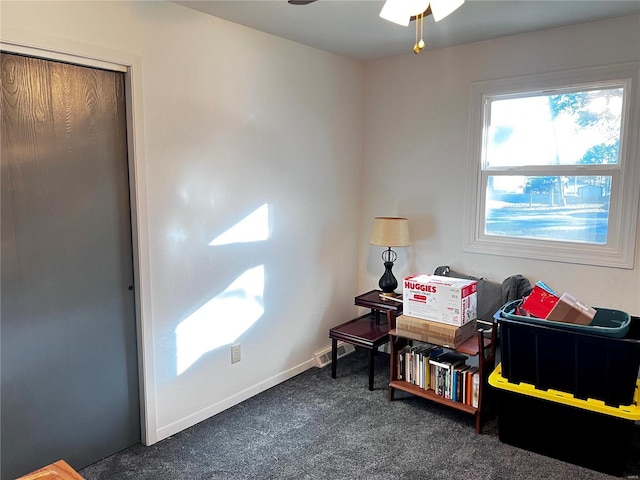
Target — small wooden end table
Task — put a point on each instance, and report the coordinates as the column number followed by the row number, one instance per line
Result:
column 59, row 470
column 369, row 331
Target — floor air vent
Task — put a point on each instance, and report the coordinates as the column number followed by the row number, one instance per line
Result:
column 323, row 357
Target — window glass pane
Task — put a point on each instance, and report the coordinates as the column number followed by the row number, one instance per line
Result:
column 563, row 129
column 565, row 209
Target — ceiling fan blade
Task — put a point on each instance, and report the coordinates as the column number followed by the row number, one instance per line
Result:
column 300, row 2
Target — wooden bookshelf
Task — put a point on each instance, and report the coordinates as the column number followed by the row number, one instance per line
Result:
column 478, row 345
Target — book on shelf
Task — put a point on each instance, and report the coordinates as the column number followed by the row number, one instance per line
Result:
column 471, row 372
column 463, row 385
column 458, row 384
column 401, row 360
column 413, row 363
column 475, row 390
column 442, row 370
column 418, row 371
column 436, row 351
column 450, row 358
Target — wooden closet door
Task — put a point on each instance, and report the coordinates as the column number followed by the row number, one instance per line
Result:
column 68, row 337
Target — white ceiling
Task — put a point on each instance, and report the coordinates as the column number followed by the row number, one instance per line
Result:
column 353, row 28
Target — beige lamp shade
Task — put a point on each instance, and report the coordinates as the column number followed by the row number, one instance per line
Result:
column 390, row 232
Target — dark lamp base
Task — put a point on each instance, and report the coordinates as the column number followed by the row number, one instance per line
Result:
column 388, row 282
column 390, row 294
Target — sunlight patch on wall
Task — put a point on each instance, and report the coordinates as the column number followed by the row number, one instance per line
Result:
column 222, row 319
column 253, row 228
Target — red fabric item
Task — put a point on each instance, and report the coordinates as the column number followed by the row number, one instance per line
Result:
column 539, row 302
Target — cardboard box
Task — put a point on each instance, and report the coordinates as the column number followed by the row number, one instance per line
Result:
column 440, row 299
column 437, row 333
column 569, row 309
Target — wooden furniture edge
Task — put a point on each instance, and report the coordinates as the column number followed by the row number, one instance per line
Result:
column 59, row 470
column 473, row 346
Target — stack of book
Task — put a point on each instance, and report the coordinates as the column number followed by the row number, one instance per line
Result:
column 454, row 379
column 414, row 366
column 445, row 372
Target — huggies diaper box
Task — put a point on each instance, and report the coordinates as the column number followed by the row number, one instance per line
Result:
column 440, row 299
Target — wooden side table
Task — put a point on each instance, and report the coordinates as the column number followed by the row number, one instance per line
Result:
column 369, row 331
column 59, row 470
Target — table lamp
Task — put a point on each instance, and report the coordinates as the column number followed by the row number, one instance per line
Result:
column 389, row 232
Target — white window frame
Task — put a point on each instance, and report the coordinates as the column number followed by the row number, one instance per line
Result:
column 619, row 251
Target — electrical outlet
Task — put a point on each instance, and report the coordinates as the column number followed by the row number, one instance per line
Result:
column 235, row 353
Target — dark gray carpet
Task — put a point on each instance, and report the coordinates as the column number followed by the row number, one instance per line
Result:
column 314, row 427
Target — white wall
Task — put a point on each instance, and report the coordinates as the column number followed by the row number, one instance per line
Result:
column 230, row 119
column 417, row 154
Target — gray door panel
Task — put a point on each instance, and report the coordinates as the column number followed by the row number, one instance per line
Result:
column 68, row 339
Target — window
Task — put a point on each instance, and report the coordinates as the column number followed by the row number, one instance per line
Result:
column 554, row 166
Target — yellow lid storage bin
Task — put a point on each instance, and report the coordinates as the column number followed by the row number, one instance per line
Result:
column 553, row 423
column 628, row 412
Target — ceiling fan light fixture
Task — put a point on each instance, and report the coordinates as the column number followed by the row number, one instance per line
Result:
column 443, row 8
column 401, row 11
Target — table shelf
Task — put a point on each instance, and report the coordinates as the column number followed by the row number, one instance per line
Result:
column 475, row 346
column 367, row 331
column 431, row 395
